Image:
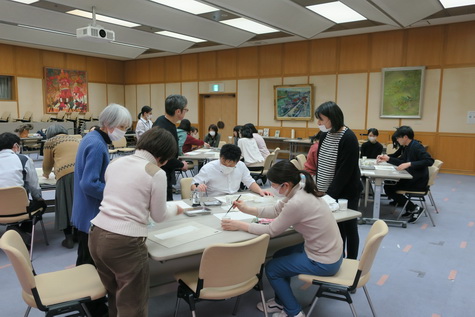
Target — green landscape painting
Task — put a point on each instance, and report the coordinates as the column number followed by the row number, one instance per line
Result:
column 402, row 92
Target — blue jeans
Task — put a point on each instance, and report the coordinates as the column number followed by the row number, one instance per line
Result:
column 289, row 262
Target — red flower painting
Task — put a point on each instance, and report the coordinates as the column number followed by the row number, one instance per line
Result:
column 66, row 90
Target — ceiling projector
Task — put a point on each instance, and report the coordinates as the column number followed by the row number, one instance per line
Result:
column 95, row 33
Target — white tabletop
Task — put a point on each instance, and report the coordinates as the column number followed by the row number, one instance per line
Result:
column 159, row 252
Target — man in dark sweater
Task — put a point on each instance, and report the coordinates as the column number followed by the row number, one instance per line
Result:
column 175, row 110
column 416, row 161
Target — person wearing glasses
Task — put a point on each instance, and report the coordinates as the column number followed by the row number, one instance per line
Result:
column 175, row 110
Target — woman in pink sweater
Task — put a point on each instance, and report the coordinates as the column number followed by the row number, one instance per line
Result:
column 321, row 253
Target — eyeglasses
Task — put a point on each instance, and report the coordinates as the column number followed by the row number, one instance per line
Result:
column 186, row 109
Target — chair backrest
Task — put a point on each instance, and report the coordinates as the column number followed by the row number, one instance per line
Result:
column 269, row 161
column 60, row 115
column 438, row 164
column 12, row 244
column 74, row 116
column 185, row 185
column 14, row 201
column 433, row 171
column 120, row 143
column 45, row 118
column 77, row 136
column 88, row 116
column 5, row 115
column 234, row 263
column 27, row 116
column 376, row 234
column 276, row 152
column 296, row 163
column 221, row 143
column 390, row 149
column 302, row 159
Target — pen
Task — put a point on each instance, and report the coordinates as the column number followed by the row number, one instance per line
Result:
column 231, row 206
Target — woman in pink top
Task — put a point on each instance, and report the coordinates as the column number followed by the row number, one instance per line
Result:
column 311, row 163
column 321, row 253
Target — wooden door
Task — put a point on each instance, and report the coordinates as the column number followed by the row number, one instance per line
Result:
column 218, row 108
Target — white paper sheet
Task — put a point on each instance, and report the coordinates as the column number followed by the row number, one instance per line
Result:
column 180, row 203
column 182, row 234
column 244, row 197
column 384, row 167
column 235, row 215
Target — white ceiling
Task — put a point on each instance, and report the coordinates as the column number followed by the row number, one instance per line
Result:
column 290, row 17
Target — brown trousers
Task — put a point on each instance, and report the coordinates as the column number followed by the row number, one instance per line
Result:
column 122, row 263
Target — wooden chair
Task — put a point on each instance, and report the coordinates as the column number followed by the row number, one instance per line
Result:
column 296, row 163
column 121, row 147
column 26, row 117
column 45, row 118
column 226, row 271
column 420, row 195
column 54, row 293
column 185, row 185
column 262, row 175
column 221, row 143
column 60, row 116
column 353, row 274
column 5, row 116
column 14, row 211
column 302, row 159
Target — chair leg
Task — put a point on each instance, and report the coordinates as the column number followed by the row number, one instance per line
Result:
column 32, row 239
column 177, row 304
column 44, row 231
column 312, row 306
column 353, row 310
column 263, row 300
column 27, row 312
column 427, row 212
column 236, row 305
column 369, row 301
column 432, row 201
column 403, row 208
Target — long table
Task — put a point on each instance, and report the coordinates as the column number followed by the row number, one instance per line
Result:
column 381, row 172
column 164, row 262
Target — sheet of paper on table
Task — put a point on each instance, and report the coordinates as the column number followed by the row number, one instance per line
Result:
column 180, row 203
column 202, row 150
column 181, row 234
column 235, row 215
column 385, row 167
column 244, row 197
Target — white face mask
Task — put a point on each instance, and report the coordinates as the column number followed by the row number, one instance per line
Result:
column 149, row 117
column 17, row 152
column 372, row 139
column 116, row 134
column 226, row 170
column 323, row 128
column 212, row 133
column 275, row 191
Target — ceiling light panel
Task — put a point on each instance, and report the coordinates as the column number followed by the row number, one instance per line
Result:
column 336, row 12
column 250, row 26
column 103, row 18
column 26, row 1
column 190, row 6
column 181, row 36
column 456, row 3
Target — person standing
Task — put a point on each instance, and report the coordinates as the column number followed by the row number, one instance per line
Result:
column 119, row 231
column 416, row 161
column 338, row 172
column 145, row 121
column 92, row 160
column 175, row 110
column 60, row 153
column 311, row 162
column 301, row 207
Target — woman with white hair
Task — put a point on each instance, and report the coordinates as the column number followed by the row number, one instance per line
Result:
column 60, row 152
column 92, row 160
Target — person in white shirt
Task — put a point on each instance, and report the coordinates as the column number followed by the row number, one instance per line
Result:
column 250, row 151
column 145, row 121
column 136, row 189
column 224, row 176
column 261, row 143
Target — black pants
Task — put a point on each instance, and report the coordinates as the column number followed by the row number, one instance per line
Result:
column 349, row 232
column 403, row 184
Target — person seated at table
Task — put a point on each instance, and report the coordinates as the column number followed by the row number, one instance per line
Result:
column 236, row 133
column 261, row 143
column 185, row 140
column 371, row 148
column 250, row 151
column 311, row 163
column 145, row 121
column 213, row 137
column 60, row 152
column 416, row 161
column 301, row 207
column 119, row 230
column 19, row 170
column 224, row 176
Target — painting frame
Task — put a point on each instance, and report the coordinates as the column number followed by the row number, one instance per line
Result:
column 402, row 92
column 284, row 98
column 65, row 90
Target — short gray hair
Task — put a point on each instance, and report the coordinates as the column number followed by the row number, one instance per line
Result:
column 54, row 130
column 115, row 115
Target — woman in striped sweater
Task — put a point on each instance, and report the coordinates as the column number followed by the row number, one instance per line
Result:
column 338, row 172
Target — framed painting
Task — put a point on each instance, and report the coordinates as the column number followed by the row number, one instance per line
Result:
column 65, row 90
column 293, row 102
column 402, row 92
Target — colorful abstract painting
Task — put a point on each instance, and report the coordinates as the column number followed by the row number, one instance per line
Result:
column 65, row 90
column 293, row 102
